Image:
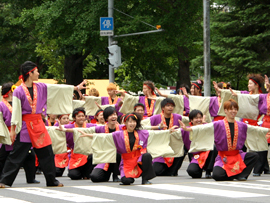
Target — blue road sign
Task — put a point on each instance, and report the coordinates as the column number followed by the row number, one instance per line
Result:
column 106, row 23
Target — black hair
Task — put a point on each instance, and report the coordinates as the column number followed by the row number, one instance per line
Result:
column 198, row 83
column 166, row 101
column 194, row 113
column 139, row 104
column 26, row 67
column 134, row 116
column 6, row 87
column 76, row 111
column 108, row 111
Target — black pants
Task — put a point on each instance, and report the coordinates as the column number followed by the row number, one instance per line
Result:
column 262, row 161
column 28, row 164
column 194, row 169
column 147, row 170
column 100, row 175
column 59, row 171
column 19, row 154
column 219, row 174
column 82, row 171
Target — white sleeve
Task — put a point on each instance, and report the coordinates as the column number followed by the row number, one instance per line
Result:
column 202, row 104
column 83, row 145
column 128, row 103
column 250, row 102
column 256, row 140
column 59, row 142
column 225, row 95
column 157, row 109
column 16, row 118
column 59, row 99
column 4, row 132
column 202, row 138
column 179, row 103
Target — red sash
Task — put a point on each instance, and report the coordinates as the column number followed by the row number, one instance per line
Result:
column 149, row 110
column 266, row 124
column 77, row 160
column 114, row 101
column 130, row 161
column 61, row 160
column 37, row 132
column 201, row 158
column 232, row 162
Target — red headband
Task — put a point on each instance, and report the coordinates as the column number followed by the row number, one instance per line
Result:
column 99, row 113
column 79, row 112
column 6, row 95
column 152, row 91
column 260, row 91
column 196, row 86
column 137, row 106
column 21, row 76
column 63, row 115
column 129, row 116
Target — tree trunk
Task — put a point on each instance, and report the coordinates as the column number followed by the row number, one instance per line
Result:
column 183, row 71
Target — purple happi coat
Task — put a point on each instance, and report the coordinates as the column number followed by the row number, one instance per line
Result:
column 156, row 120
column 119, row 142
column 7, row 119
column 105, row 101
column 221, row 139
column 26, row 108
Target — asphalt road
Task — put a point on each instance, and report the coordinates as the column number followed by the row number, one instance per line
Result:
column 164, row 189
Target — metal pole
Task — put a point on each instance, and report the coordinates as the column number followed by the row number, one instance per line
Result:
column 110, row 39
column 206, row 42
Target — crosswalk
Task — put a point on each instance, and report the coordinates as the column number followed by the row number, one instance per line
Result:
column 164, row 192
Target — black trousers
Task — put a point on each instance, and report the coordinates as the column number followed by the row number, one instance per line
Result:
column 19, row 154
column 262, row 161
column 82, row 171
column 100, row 175
column 28, row 164
column 59, row 171
column 219, row 174
column 194, row 169
column 147, row 170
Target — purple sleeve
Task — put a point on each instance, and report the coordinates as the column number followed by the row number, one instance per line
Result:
column 213, row 107
column 186, row 106
column 186, row 140
column 119, row 141
column 244, row 92
column 69, row 136
column 262, row 106
column 100, row 129
column 104, row 100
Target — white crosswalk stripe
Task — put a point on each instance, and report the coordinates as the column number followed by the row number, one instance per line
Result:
column 60, row 195
column 132, row 193
column 11, row 200
column 239, row 185
column 204, row 191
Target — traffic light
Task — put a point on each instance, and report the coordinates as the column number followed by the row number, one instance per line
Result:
column 115, row 56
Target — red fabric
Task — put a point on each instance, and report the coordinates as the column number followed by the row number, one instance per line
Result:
column 38, row 134
column 130, row 164
column 218, row 118
column 266, row 124
column 232, row 162
column 36, row 161
column 202, row 158
column 61, row 160
column 77, row 160
column 169, row 161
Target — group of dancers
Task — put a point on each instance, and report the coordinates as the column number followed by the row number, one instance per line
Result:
column 132, row 136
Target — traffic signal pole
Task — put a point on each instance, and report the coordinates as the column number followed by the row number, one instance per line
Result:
column 110, row 40
column 206, row 42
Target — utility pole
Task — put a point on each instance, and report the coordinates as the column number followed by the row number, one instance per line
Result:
column 206, row 43
column 110, row 40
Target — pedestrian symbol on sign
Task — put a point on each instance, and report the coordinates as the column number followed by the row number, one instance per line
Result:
column 107, row 23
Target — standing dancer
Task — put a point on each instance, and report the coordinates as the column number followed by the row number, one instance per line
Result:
column 29, row 101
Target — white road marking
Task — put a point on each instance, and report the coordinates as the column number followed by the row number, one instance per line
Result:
column 11, row 200
column 60, row 195
column 132, row 193
column 204, row 191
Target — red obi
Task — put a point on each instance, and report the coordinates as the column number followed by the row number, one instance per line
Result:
column 218, row 118
column 251, row 122
column 169, row 161
column 232, row 162
column 37, row 132
column 61, row 160
column 77, row 160
column 130, row 163
column 266, row 124
column 201, row 158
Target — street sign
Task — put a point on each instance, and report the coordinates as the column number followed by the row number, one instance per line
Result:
column 106, row 26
